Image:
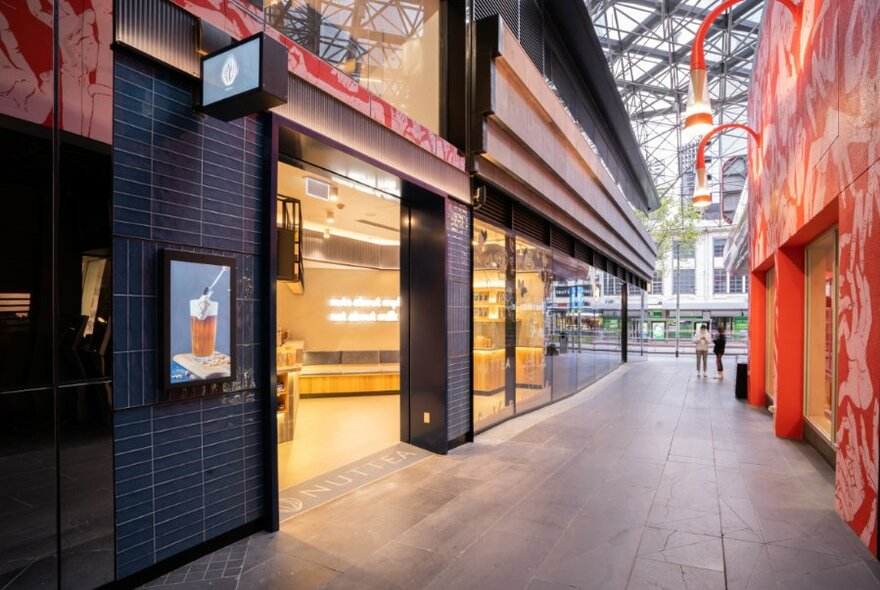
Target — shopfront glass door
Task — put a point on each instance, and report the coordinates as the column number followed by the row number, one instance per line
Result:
column 820, row 391
column 533, row 279
column 492, row 307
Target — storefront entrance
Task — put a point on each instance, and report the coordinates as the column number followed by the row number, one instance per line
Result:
column 337, row 313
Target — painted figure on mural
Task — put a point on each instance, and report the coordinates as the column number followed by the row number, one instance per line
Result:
column 25, row 90
column 820, row 153
column 85, row 70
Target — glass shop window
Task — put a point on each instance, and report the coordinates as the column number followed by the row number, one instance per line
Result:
column 820, row 395
column 391, row 47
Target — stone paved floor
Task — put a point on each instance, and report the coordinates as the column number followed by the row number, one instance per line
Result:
column 652, row 478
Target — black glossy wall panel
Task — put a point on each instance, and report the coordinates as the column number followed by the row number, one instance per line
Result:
column 188, row 471
column 85, row 453
column 28, row 505
column 424, row 337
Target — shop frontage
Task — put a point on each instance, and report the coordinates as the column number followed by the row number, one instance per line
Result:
column 235, row 288
column 546, row 325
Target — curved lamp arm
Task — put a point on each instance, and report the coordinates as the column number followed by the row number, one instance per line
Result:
column 698, row 115
column 702, row 197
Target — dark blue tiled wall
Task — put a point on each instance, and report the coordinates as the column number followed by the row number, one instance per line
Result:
column 458, row 301
column 186, row 471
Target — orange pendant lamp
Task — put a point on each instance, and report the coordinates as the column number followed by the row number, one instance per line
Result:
column 702, row 197
column 698, row 113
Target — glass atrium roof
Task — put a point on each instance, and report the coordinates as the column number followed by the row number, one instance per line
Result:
column 648, row 45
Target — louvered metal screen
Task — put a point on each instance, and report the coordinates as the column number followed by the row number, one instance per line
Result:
column 529, row 223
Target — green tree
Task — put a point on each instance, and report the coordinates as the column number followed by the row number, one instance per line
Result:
column 673, row 221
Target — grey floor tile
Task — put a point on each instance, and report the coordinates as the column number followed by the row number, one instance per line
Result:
column 498, row 560
column 649, row 574
column 286, row 571
column 655, row 480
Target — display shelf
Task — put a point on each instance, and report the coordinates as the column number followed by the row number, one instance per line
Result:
column 489, row 371
column 286, row 396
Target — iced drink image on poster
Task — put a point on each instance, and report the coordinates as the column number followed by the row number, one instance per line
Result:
column 199, row 321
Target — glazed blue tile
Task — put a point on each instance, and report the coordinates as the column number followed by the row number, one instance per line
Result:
column 134, row 560
column 177, row 433
column 141, row 524
column 135, row 323
column 133, row 230
column 132, row 443
column 220, row 171
column 178, row 502
column 135, row 504
column 129, row 485
column 134, row 538
column 167, row 131
column 181, row 99
column 174, row 548
column 174, row 466
column 131, row 216
column 219, row 448
column 220, row 499
column 226, row 206
column 236, row 519
column 221, row 243
column 176, row 237
column 179, row 446
column 165, row 491
column 124, row 186
column 129, row 429
column 233, row 468
column 175, row 119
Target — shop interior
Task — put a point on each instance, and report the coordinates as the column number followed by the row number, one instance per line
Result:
column 338, row 305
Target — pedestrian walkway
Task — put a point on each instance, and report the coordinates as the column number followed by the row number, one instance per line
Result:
column 652, row 478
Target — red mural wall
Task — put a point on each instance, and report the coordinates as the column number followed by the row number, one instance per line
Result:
column 85, row 65
column 815, row 101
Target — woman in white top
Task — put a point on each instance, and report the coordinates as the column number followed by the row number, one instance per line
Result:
column 702, row 339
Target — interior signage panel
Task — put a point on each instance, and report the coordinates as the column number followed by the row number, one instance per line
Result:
column 247, row 77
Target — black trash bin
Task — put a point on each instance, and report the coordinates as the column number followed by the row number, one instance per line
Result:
column 742, row 380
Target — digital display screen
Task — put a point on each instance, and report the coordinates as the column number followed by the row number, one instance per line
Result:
column 231, row 72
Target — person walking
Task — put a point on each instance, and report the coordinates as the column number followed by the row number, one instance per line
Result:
column 720, row 345
column 701, row 343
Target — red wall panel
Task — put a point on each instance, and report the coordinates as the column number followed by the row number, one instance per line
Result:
column 814, row 100
column 85, row 67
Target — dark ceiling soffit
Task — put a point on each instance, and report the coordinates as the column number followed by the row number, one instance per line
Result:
column 574, row 25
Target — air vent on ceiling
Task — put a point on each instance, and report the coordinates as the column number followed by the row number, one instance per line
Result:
column 379, row 225
column 317, row 189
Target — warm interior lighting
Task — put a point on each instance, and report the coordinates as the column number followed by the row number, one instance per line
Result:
column 698, row 113
column 330, row 217
column 326, row 233
column 702, row 197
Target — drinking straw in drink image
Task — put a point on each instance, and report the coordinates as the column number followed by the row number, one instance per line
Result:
column 200, row 322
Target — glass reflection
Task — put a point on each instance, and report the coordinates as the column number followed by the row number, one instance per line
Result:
column 533, row 278
column 391, row 47
column 26, row 277
column 85, row 451
column 493, row 397
column 564, row 307
column 27, row 490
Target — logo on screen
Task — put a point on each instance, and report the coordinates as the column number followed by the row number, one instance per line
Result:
column 230, row 71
